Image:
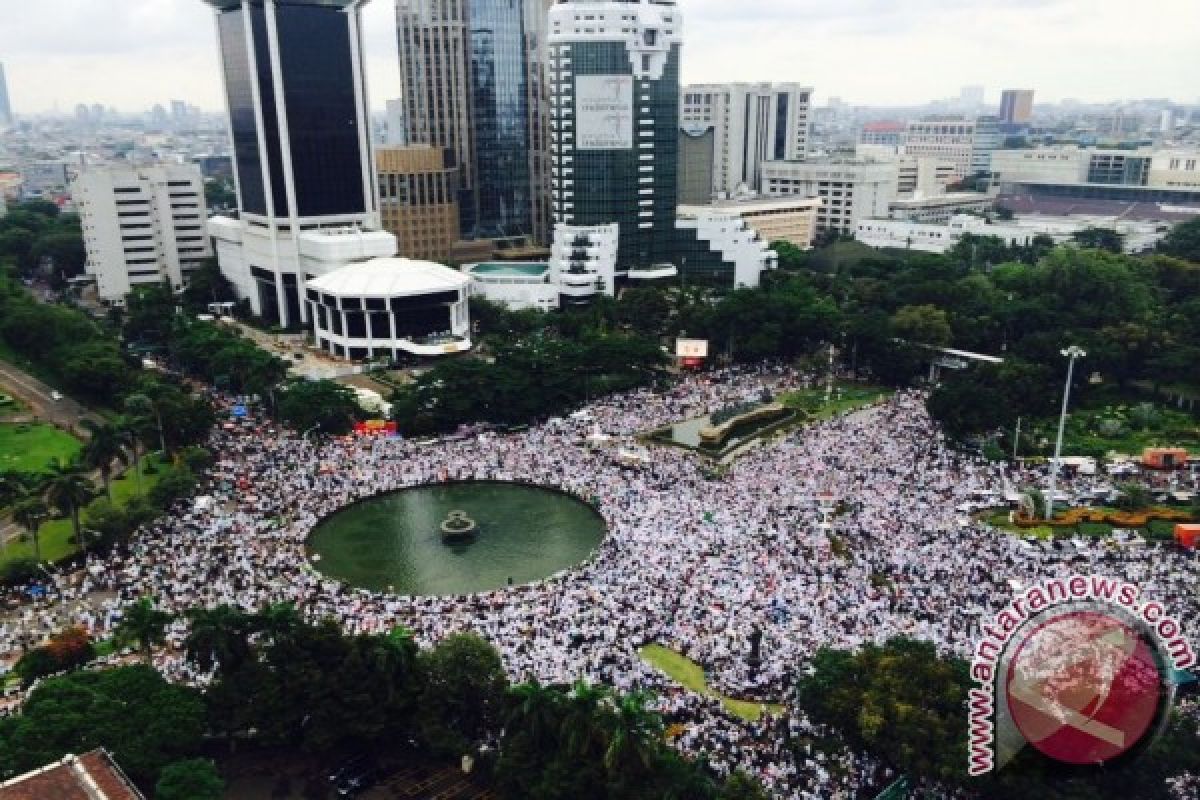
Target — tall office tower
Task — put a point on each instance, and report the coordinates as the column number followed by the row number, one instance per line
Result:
column 473, row 78
column 294, row 84
column 752, row 123
column 1016, row 106
column 6, row 117
column 615, row 103
column 141, row 225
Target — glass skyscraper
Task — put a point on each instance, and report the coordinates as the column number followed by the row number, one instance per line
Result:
column 293, row 75
column 472, row 72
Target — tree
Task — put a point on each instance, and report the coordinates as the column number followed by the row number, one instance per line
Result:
column 194, row 779
column 65, row 650
column 68, row 489
column 145, row 625
column 65, row 250
column 29, row 513
column 104, row 446
column 1100, row 239
column 144, row 721
column 924, row 324
column 464, row 693
column 218, row 637
column 1183, row 241
column 329, row 406
column 899, row 700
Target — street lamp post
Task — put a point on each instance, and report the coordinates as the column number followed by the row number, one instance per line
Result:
column 1072, row 353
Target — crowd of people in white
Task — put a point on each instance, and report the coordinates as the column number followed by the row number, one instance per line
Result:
column 704, row 562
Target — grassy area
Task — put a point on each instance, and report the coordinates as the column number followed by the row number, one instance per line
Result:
column 29, row 448
column 690, row 675
column 1125, row 429
column 846, row 397
column 55, row 535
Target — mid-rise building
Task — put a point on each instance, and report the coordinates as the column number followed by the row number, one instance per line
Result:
column 939, row 208
column 1146, row 175
column 752, row 123
column 418, row 200
column 1016, row 106
column 988, row 139
column 473, row 73
column 773, row 219
column 141, row 225
column 6, row 115
column 947, row 138
column 887, row 133
column 850, row 190
column 305, row 175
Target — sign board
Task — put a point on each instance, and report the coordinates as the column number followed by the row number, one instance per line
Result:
column 691, row 348
column 238, row 411
column 604, row 112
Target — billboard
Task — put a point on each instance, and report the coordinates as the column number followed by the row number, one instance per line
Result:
column 603, row 112
column 691, row 348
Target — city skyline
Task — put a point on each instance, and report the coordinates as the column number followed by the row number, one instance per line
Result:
column 132, row 54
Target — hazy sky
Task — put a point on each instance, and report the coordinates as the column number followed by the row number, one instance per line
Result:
column 133, row 53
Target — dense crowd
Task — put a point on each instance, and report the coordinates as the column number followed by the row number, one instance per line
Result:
column 709, row 563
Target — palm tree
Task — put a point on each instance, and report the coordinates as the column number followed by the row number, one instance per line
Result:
column 104, row 446
column 144, row 624
column 67, row 489
column 581, row 725
column 535, row 709
column 131, row 428
column 219, row 636
column 633, row 735
column 29, row 513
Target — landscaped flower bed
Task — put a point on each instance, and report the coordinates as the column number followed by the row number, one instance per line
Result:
column 1118, row 519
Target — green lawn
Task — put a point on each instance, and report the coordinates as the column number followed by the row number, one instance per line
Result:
column 55, row 534
column 846, row 397
column 1126, row 429
column 690, row 675
column 29, row 448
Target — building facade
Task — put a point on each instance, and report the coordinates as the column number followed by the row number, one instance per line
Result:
column 850, row 191
column 697, row 155
column 418, row 200
column 1139, row 236
column 141, row 226
column 1146, row 175
column 1016, row 106
column 888, row 133
column 473, row 73
column 614, row 69
column 6, row 115
column 752, row 123
column 947, row 138
column 296, row 93
column 777, row 219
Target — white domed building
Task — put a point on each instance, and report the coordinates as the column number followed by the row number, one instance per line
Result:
column 389, row 307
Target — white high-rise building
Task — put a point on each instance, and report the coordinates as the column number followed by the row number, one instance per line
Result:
column 141, row 226
column 752, row 123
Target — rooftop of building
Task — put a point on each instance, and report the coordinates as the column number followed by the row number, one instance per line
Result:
column 389, row 277
column 513, row 268
column 750, row 204
column 85, row 777
column 948, row 198
column 885, row 126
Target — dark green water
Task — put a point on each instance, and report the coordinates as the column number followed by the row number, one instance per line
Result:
column 394, row 540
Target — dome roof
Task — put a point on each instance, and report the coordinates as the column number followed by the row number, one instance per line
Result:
column 389, row 277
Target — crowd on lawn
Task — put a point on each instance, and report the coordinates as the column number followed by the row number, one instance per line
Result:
column 702, row 561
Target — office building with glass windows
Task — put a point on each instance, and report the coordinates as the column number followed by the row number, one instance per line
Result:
column 615, row 122
column 295, row 89
column 474, row 81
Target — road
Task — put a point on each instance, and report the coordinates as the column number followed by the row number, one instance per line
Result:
column 65, row 413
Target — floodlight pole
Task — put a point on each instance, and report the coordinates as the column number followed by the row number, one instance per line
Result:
column 1072, row 353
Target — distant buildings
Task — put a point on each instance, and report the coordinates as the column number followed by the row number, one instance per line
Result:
column 850, row 190
column 39, row 178
column 1145, row 175
column 751, row 123
column 418, row 201
column 1016, row 106
column 949, row 138
column 888, row 133
column 141, row 226
column 939, row 237
column 6, row 115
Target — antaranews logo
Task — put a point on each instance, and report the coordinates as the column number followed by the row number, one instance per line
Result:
column 1080, row 668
